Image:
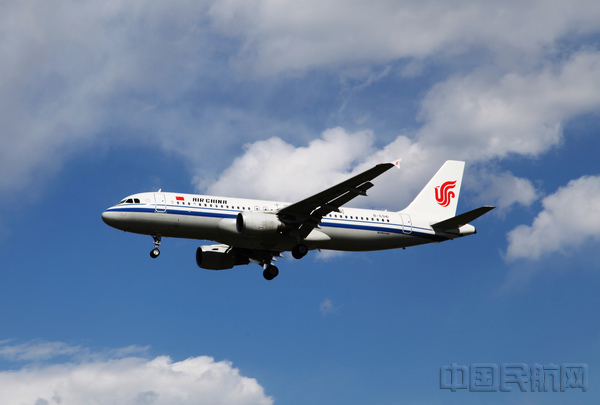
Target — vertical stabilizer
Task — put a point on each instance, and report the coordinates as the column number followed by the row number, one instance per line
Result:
column 439, row 199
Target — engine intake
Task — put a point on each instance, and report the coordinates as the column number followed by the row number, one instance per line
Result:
column 219, row 257
column 257, row 223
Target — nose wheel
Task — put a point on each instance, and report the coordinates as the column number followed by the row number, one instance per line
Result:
column 154, row 253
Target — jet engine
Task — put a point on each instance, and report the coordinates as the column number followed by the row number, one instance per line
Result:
column 257, row 223
column 219, row 257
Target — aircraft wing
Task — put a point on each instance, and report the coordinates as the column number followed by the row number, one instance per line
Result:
column 305, row 215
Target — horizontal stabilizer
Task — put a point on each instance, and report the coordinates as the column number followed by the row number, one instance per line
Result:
column 462, row 219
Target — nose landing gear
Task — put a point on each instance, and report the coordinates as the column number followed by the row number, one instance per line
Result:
column 154, row 253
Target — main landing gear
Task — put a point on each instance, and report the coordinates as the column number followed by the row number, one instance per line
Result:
column 154, row 253
column 299, row 251
column 270, row 272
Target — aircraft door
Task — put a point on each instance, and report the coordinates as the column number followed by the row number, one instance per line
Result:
column 406, row 224
column 160, row 202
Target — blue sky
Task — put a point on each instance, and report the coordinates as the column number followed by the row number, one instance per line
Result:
column 279, row 100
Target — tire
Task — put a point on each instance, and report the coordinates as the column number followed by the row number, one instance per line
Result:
column 270, row 272
column 299, row 251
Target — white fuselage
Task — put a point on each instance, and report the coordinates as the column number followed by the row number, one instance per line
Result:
column 214, row 218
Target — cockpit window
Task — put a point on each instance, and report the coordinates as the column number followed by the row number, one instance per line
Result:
column 130, row 201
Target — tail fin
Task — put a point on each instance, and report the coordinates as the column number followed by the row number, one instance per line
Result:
column 439, row 199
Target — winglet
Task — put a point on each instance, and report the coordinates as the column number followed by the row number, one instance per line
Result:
column 396, row 163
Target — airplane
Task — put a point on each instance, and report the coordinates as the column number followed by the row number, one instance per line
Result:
column 258, row 231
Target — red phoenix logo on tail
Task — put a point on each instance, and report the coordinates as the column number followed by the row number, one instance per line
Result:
column 444, row 193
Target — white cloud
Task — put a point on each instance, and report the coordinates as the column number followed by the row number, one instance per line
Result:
column 327, row 307
column 72, row 69
column 503, row 189
column 40, row 350
column 125, row 380
column 275, row 169
column 484, row 116
column 37, row 350
column 288, row 35
column 570, row 218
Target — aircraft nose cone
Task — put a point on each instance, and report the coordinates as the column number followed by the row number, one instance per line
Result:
column 109, row 218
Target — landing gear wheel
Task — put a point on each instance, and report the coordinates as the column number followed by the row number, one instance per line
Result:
column 299, row 251
column 154, row 253
column 270, row 272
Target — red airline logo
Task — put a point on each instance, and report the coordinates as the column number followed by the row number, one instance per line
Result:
column 443, row 193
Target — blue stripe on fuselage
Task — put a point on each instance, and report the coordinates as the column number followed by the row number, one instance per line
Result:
column 344, row 224
column 176, row 212
column 357, row 226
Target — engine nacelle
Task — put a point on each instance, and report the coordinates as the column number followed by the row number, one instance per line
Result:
column 257, row 223
column 219, row 257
